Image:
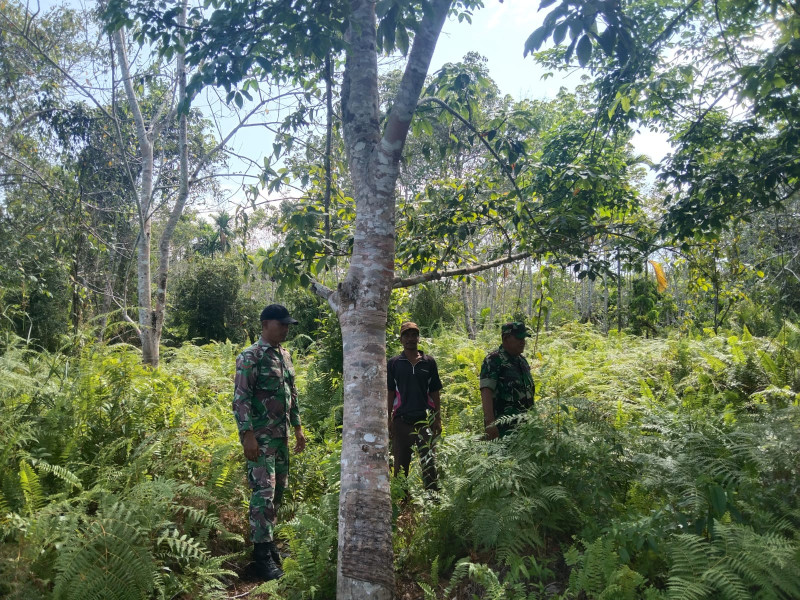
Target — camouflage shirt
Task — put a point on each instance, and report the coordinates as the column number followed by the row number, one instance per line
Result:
column 265, row 397
column 509, row 378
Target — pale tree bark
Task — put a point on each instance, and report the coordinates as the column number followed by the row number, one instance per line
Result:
column 144, row 138
column 152, row 310
column 365, row 568
column 165, row 243
column 469, row 322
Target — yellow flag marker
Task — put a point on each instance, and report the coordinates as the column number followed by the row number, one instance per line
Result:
column 660, row 277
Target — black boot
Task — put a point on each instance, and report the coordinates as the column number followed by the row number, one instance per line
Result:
column 276, row 556
column 265, row 566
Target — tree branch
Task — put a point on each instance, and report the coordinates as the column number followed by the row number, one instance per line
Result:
column 437, row 275
column 506, row 171
column 419, row 60
column 183, row 190
column 326, row 293
column 208, row 155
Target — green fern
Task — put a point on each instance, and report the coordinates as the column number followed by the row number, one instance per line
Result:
column 738, row 564
column 107, row 557
column 31, row 488
column 599, row 573
column 60, row 472
column 480, row 574
column 182, row 546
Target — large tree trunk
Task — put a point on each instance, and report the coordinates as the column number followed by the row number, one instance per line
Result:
column 365, row 568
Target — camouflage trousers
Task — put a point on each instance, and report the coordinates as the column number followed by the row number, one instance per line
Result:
column 267, row 477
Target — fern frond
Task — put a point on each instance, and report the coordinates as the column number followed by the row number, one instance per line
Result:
column 183, row 546
column 106, row 558
column 679, row 588
column 31, row 488
column 201, row 517
column 428, row 591
column 4, row 508
column 62, row 473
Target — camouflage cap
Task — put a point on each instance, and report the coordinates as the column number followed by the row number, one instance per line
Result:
column 407, row 326
column 518, row 328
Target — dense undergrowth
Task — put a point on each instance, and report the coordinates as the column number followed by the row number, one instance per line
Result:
column 662, row 468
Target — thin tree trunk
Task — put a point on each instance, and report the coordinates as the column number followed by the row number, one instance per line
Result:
column 715, row 281
column 589, row 299
column 465, row 303
column 164, row 244
column 492, row 296
column 530, row 287
column 474, row 299
column 504, row 286
column 328, row 141
column 143, row 286
column 619, row 293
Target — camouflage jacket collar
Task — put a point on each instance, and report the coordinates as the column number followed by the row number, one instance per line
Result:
column 508, row 357
column 265, row 344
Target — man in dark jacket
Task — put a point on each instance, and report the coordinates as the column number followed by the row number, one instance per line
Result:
column 413, row 384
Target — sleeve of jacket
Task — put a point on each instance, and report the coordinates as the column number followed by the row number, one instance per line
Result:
column 390, row 375
column 246, row 373
column 489, row 373
column 435, row 383
column 294, row 411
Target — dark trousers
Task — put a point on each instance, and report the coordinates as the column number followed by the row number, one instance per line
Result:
column 405, row 435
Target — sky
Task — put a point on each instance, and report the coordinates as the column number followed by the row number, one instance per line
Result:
column 498, row 32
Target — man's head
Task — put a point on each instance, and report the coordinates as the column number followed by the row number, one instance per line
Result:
column 409, row 336
column 514, row 335
column 275, row 321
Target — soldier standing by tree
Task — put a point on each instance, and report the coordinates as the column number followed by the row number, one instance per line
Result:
column 265, row 406
column 506, row 381
column 414, row 388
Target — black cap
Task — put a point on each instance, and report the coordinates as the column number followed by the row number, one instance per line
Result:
column 277, row 312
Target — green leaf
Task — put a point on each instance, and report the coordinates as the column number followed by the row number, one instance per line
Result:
column 318, row 268
column 584, row 50
column 560, row 33
column 402, row 40
column 607, row 40
column 613, row 107
column 718, row 500
column 535, row 39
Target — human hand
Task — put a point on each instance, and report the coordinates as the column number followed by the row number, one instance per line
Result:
column 250, row 445
column 436, row 428
column 492, row 433
column 300, row 439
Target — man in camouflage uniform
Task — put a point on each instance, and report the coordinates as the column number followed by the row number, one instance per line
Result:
column 506, row 380
column 265, row 406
